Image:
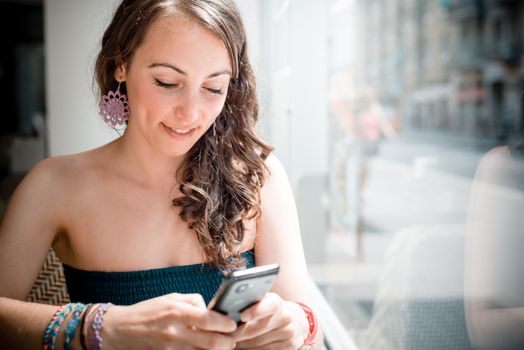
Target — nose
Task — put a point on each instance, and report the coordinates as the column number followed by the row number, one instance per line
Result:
column 186, row 108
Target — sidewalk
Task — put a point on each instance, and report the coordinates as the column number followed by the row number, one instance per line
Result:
column 417, row 184
column 409, row 184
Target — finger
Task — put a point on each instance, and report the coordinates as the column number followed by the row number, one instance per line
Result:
column 258, row 328
column 278, row 345
column 206, row 320
column 264, row 308
column 208, row 340
column 261, row 341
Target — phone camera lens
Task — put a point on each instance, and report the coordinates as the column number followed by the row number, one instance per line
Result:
column 241, row 288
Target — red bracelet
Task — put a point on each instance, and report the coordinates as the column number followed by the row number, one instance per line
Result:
column 313, row 324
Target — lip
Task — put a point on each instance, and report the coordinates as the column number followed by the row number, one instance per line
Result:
column 179, row 135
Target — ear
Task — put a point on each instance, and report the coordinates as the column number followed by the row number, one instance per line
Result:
column 120, row 73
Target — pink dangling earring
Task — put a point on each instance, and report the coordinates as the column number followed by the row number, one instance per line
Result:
column 114, row 107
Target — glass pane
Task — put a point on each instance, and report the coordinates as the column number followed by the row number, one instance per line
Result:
column 427, row 92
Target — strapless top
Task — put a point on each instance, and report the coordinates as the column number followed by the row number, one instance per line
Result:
column 125, row 288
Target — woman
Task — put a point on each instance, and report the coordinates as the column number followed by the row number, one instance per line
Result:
column 148, row 221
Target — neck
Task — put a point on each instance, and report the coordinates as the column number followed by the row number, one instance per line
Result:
column 145, row 165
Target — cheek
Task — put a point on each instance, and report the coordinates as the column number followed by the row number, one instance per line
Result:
column 215, row 108
column 213, row 115
column 142, row 100
column 216, row 112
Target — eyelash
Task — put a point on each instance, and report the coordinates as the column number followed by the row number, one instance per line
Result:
column 215, row 91
column 165, row 85
column 172, row 86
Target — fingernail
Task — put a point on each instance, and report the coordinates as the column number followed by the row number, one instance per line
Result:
column 245, row 317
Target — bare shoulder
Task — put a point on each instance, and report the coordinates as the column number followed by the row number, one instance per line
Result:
column 272, row 162
column 51, row 182
column 50, row 168
column 276, row 170
column 276, row 195
column 53, row 174
column 41, row 214
column 35, row 216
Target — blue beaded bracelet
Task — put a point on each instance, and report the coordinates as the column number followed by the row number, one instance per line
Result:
column 72, row 325
column 53, row 327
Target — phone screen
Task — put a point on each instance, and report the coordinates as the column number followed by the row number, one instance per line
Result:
column 242, row 289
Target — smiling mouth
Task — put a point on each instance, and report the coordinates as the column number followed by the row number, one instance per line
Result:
column 180, row 131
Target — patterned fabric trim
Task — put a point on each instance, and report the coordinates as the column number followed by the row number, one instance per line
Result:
column 50, row 285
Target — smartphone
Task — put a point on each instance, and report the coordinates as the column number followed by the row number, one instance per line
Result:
column 243, row 288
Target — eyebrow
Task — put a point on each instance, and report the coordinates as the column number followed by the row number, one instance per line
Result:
column 176, row 69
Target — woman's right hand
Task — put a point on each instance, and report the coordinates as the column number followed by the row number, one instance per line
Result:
column 173, row 321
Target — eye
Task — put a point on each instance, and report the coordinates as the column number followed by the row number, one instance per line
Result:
column 165, row 85
column 215, row 91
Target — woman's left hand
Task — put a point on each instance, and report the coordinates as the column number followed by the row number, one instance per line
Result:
column 273, row 323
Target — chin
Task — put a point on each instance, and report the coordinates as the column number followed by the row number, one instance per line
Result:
column 175, row 154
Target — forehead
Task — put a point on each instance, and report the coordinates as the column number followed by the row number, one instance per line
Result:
column 182, row 40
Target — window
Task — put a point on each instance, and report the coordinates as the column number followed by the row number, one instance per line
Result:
column 392, row 187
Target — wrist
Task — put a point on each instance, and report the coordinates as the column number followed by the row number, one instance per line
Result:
column 109, row 332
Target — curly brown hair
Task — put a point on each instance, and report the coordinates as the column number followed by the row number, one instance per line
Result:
column 221, row 176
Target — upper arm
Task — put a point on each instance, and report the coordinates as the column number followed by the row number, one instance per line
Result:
column 493, row 291
column 494, row 228
column 27, row 229
column 278, row 237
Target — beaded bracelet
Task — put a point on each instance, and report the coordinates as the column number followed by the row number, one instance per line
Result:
column 53, row 327
column 72, row 325
column 98, row 322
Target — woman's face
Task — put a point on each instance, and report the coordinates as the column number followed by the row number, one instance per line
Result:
column 176, row 84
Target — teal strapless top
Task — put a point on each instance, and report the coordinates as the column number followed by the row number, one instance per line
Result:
column 125, row 288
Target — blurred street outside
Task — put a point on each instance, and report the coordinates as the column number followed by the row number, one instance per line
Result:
column 410, row 183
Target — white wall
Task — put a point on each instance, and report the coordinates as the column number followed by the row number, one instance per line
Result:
column 293, row 39
column 73, row 30
column 251, row 12
column 309, row 121
column 253, row 16
column 292, row 83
